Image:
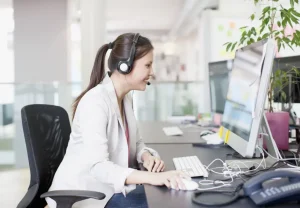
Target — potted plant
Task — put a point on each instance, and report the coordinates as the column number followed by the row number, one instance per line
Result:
column 274, row 18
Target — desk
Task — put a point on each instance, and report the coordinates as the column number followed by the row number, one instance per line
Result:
column 152, row 133
column 162, row 197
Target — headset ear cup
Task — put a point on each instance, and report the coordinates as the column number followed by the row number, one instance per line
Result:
column 123, row 67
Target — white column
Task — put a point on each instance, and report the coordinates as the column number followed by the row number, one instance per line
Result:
column 203, row 41
column 93, row 34
column 40, row 44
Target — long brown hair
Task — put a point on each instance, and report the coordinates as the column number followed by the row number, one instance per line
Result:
column 120, row 51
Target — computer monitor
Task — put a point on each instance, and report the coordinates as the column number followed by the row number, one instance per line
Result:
column 292, row 90
column 244, row 107
column 219, row 74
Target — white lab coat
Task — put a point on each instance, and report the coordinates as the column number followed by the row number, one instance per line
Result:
column 97, row 154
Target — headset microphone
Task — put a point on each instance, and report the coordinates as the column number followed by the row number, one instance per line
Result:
column 148, row 83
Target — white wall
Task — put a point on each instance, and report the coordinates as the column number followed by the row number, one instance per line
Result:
column 40, row 40
column 41, row 55
column 188, row 53
column 210, row 40
column 93, row 34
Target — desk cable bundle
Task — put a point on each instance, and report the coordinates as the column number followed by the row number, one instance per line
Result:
column 235, row 171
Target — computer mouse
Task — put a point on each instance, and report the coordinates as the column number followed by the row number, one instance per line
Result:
column 206, row 132
column 189, row 185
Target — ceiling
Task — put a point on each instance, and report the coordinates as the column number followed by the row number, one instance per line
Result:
column 6, row 3
column 157, row 19
column 151, row 17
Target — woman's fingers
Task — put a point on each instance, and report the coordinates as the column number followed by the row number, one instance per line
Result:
column 180, row 183
column 157, row 163
column 167, row 183
column 174, row 183
column 161, row 166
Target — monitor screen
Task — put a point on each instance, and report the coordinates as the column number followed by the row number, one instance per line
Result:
column 243, row 91
column 247, row 92
column 219, row 74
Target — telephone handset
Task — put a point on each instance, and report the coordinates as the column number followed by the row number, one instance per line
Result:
column 283, row 185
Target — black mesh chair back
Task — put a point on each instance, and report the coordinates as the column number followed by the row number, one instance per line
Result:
column 47, row 131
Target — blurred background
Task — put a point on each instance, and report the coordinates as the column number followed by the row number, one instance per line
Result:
column 47, row 49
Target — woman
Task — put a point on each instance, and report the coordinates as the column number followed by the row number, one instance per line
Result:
column 105, row 147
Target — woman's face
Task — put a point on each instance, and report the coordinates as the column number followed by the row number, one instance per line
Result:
column 141, row 72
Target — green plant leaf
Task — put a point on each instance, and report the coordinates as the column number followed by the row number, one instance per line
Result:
column 265, row 35
column 277, row 33
column 249, row 33
column 296, row 70
column 294, row 12
column 290, row 22
column 233, row 46
column 244, row 33
column 294, row 19
column 279, row 45
column 266, row 21
column 262, row 17
column 292, row 3
column 226, row 43
column 252, row 17
column 283, row 95
column 287, row 15
column 253, row 31
column 228, row 46
column 279, row 24
column 284, row 22
column 262, row 29
column 241, row 28
column 266, row 9
column 289, row 45
column 287, row 41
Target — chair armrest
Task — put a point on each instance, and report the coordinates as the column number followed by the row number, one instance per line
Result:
column 66, row 198
column 76, row 193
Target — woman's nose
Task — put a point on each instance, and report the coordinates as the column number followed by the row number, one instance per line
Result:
column 151, row 72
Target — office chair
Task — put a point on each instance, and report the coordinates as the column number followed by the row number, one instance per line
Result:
column 47, row 130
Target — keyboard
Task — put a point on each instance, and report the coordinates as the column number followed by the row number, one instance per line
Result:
column 191, row 165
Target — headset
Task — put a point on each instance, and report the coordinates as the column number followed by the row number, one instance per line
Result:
column 125, row 67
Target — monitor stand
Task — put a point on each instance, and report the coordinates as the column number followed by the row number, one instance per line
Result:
column 266, row 135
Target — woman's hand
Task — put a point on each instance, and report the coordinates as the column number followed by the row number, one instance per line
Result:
column 153, row 164
column 171, row 179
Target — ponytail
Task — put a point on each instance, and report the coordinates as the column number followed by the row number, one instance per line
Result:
column 97, row 75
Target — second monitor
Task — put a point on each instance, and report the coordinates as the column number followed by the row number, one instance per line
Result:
column 219, row 75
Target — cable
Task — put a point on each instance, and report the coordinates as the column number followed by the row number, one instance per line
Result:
column 269, row 168
column 236, row 192
column 259, row 165
column 279, row 159
column 225, row 171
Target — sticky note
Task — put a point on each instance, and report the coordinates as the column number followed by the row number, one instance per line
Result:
column 227, row 136
column 221, row 132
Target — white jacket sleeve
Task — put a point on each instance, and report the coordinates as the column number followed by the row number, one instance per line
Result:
column 93, row 120
column 140, row 145
column 141, row 148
